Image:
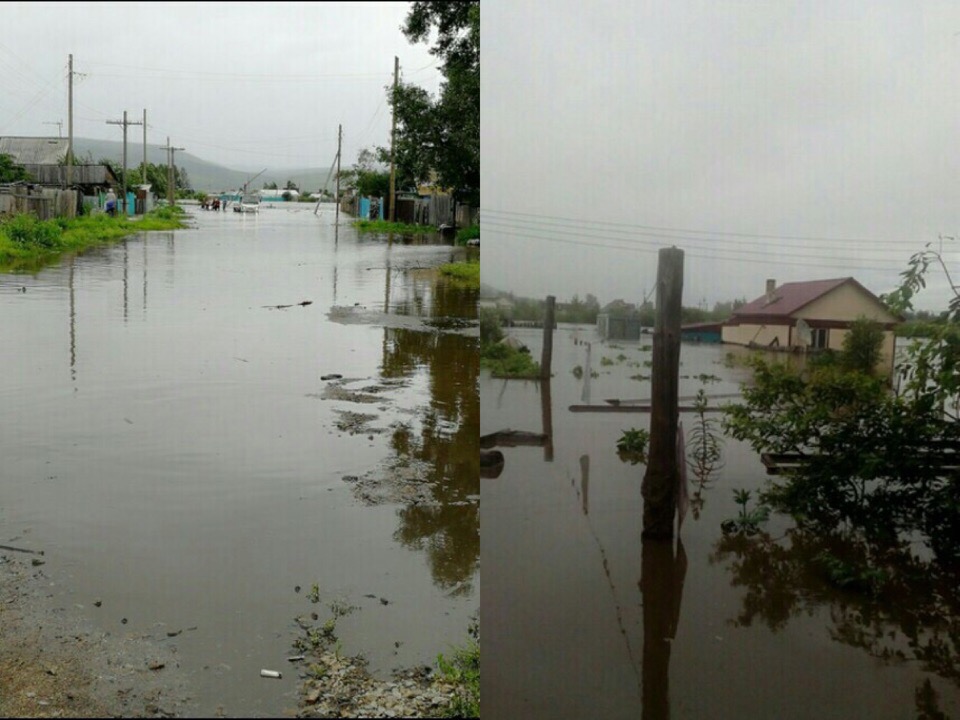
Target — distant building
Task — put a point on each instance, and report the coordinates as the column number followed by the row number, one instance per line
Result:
column 810, row 315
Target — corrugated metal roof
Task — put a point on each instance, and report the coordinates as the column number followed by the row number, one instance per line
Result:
column 82, row 174
column 790, row 297
column 34, row 150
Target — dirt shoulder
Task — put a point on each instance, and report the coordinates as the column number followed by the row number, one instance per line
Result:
column 54, row 664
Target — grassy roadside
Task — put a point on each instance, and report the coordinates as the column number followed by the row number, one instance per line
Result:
column 395, row 227
column 29, row 243
column 463, row 274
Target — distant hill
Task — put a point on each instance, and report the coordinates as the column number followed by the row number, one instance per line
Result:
column 204, row 175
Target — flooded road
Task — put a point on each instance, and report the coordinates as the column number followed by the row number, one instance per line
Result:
column 582, row 619
column 167, row 440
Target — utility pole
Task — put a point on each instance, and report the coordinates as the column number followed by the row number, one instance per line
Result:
column 170, row 176
column 339, row 140
column 59, row 124
column 393, row 138
column 70, row 122
column 125, row 123
column 143, row 175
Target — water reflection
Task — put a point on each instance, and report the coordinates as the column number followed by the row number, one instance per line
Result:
column 887, row 602
column 663, row 571
column 446, row 445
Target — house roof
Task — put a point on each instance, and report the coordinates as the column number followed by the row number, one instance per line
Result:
column 82, row 174
column 790, row 297
column 34, row 150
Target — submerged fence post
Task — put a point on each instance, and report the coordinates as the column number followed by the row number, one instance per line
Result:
column 660, row 482
column 546, row 356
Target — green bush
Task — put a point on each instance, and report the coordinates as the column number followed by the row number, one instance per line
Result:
column 27, row 230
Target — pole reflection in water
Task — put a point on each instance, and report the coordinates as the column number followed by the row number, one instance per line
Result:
column 546, row 411
column 585, row 482
column 126, row 264
column 661, row 583
column 73, row 322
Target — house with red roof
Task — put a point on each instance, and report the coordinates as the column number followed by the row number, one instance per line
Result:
column 810, row 315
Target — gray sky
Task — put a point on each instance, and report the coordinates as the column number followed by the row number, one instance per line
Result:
column 246, row 85
column 777, row 140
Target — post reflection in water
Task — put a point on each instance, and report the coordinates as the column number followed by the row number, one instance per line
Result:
column 546, row 410
column 73, row 321
column 661, row 583
column 585, row 483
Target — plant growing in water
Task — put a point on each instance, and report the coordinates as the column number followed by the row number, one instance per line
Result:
column 748, row 521
column 705, row 451
column 632, row 445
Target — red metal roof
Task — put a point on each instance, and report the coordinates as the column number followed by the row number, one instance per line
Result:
column 790, row 297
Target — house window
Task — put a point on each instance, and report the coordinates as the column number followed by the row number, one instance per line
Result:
column 818, row 338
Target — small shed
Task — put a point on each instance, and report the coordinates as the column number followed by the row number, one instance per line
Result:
column 708, row 332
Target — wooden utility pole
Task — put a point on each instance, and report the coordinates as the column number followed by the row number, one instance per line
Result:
column 660, row 482
column 546, row 355
column 125, row 123
column 171, row 178
column 143, row 175
column 339, row 141
column 70, row 122
column 393, row 139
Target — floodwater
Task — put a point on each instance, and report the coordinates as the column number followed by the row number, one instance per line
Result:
column 167, row 441
column 582, row 619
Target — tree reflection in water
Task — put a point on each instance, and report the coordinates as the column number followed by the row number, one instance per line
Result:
column 884, row 600
column 446, row 447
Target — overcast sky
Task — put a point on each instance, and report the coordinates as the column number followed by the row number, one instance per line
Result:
column 246, row 85
column 785, row 140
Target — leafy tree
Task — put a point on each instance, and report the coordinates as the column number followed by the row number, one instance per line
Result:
column 367, row 177
column 862, row 346
column 291, row 185
column 443, row 134
column 10, row 171
column 270, row 186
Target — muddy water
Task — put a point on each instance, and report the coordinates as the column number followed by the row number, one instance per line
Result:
column 582, row 619
column 168, row 442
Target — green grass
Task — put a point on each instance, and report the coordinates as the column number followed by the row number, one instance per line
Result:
column 27, row 243
column 388, row 227
column 463, row 274
column 505, row 362
column 463, row 669
column 468, row 233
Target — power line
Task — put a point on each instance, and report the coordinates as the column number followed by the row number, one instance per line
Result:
column 773, row 258
column 766, row 250
column 632, row 227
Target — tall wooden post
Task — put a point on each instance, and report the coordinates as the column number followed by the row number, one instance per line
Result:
column 660, row 482
column 546, row 356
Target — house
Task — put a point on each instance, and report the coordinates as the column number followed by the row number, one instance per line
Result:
column 619, row 320
column 816, row 314
column 43, row 159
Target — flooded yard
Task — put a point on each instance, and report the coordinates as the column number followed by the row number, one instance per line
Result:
column 585, row 620
column 201, row 427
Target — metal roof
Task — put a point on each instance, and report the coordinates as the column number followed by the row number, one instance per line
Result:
column 34, row 150
column 790, row 297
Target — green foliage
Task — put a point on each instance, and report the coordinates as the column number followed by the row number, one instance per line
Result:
column 468, row 233
column 443, row 135
column 463, row 274
column 871, row 459
column 748, row 521
column 505, row 362
column 25, row 241
column 10, row 171
column 633, row 444
column 862, row 347
column 491, row 327
column 578, row 372
column 27, row 231
column 385, row 226
column 463, row 670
